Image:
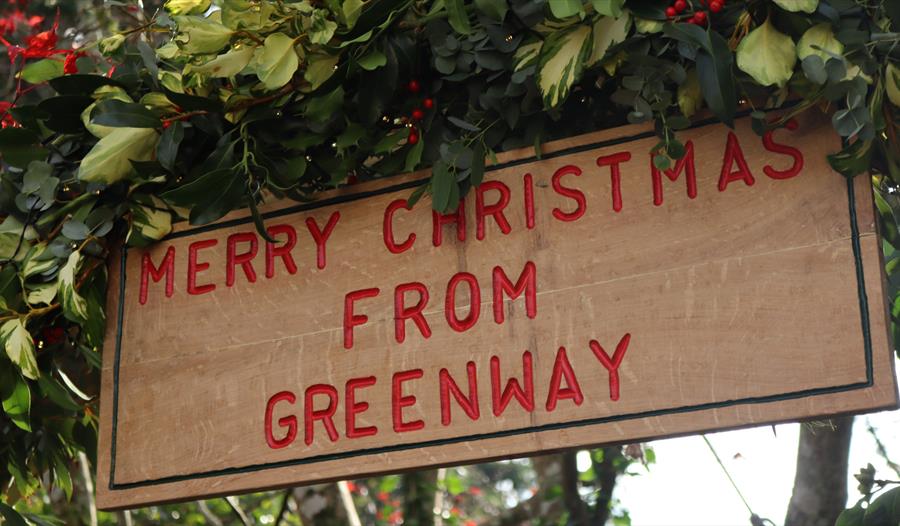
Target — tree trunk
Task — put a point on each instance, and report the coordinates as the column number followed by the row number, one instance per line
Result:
column 578, row 512
column 418, row 497
column 820, row 486
column 605, row 474
column 320, row 504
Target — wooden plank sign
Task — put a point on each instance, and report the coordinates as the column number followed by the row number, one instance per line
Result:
column 577, row 299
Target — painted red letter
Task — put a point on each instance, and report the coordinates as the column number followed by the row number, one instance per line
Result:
column 526, row 283
column 403, row 313
column 496, row 209
column 562, row 368
column 439, row 220
column 448, row 385
column 310, row 414
column 290, row 422
column 615, row 175
column 283, row 251
column 575, row 195
column 399, row 401
column 734, row 154
column 524, row 396
column 353, row 408
column 770, row 144
column 148, row 271
column 194, row 267
column 321, row 236
column 233, row 259
column 388, row 228
column 685, row 164
column 352, row 320
column 461, row 325
column 612, row 364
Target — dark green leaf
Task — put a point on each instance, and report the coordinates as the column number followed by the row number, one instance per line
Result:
column 169, row 141
column 16, row 399
column 192, row 102
column 717, row 82
column 494, row 9
column 477, row 173
column 63, row 113
column 81, row 84
column 11, row 516
column 53, row 390
column 463, row 124
column 441, row 181
column 115, row 113
column 258, row 220
column 19, row 147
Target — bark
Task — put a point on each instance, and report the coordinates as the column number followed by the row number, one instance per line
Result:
column 320, row 504
column 419, row 488
column 605, row 474
column 578, row 512
column 820, row 486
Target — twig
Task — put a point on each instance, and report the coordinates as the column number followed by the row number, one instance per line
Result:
column 347, row 501
column 88, row 487
column 207, row 513
column 238, row 512
column 284, row 506
column 881, row 449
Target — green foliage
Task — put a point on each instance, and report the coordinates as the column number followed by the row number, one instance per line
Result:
column 188, row 113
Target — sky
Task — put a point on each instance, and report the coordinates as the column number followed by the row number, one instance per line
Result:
column 687, row 487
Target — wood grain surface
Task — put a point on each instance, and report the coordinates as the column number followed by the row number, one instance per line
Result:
column 753, row 304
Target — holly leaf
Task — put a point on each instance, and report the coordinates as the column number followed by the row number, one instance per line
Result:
column 278, row 62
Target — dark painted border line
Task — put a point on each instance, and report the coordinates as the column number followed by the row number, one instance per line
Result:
column 861, row 292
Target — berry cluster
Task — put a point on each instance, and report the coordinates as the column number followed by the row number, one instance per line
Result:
column 417, row 113
column 698, row 15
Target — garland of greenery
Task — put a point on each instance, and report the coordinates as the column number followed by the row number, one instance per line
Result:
column 202, row 109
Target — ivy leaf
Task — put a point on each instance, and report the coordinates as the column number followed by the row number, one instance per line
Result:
column 562, row 56
column 74, row 306
column 566, row 8
column 118, row 114
column 19, row 346
column 319, row 69
column 227, row 64
column 198, row 35
column 278, row 62
column 322, row 29
column 42, row 71
column 459, row 19
column 372, row 60
column 17, row 400
column 608, row 31
column 806, row 6
column 767, row 55
column 819, row 40
column 110, row 159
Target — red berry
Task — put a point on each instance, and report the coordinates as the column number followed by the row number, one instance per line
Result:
column 413, row 137
column 700, row 18
column 716, row 6
column 680, row 5
column 428, row 103
column 413, row 86
column 670, row 12
column 417, row 114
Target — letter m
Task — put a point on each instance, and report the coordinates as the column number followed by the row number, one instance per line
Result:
column 527, row 284
column 166, row 268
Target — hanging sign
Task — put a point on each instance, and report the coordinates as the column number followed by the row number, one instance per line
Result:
column 580, row 298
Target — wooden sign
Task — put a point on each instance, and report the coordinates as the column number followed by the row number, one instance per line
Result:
column 577, row 299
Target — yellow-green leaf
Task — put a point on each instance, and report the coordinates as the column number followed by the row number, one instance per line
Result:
column 19, row 346
column 819, row 40
column 767, row 55
column 278, row 61
column 110, row 159
column 562, row 56
column 227, row 64
column 690, row 96
column 608, row 31
column 187, row 7
column 74, row 306
column 152, row 223
column 42, row 70
column 807, row 6
column 527, row 54
column 111, row 44
column 892, row 83
column 17, row 400
column 42, row 293
column 199, row 35
column 320, row 69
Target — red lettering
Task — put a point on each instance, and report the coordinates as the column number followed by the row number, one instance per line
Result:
column 685, row 164
column 283, row 251
column 194, row 267
column 388, row 228
column 615, row 175
column 496, row 209
column 439, row 220
column 325, row 415
column 734, row 154
column 513, row 389
column 562, row 368
column 321, row 236
column 233, row 259
column 474, row 302
column 529, row 201
column 353, row 408
column 526, row 283
column 403, row 313
column 290, row 422
column 575, row 195
column 352, row 320
column 399, row 401
column 468, row 404
column 612, row 364
column 148, row 271
column 770, row 144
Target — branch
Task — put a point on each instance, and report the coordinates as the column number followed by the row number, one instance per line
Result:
column 238, row 512
column 284, row 506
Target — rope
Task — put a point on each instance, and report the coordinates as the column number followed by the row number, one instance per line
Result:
column 755, row 519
